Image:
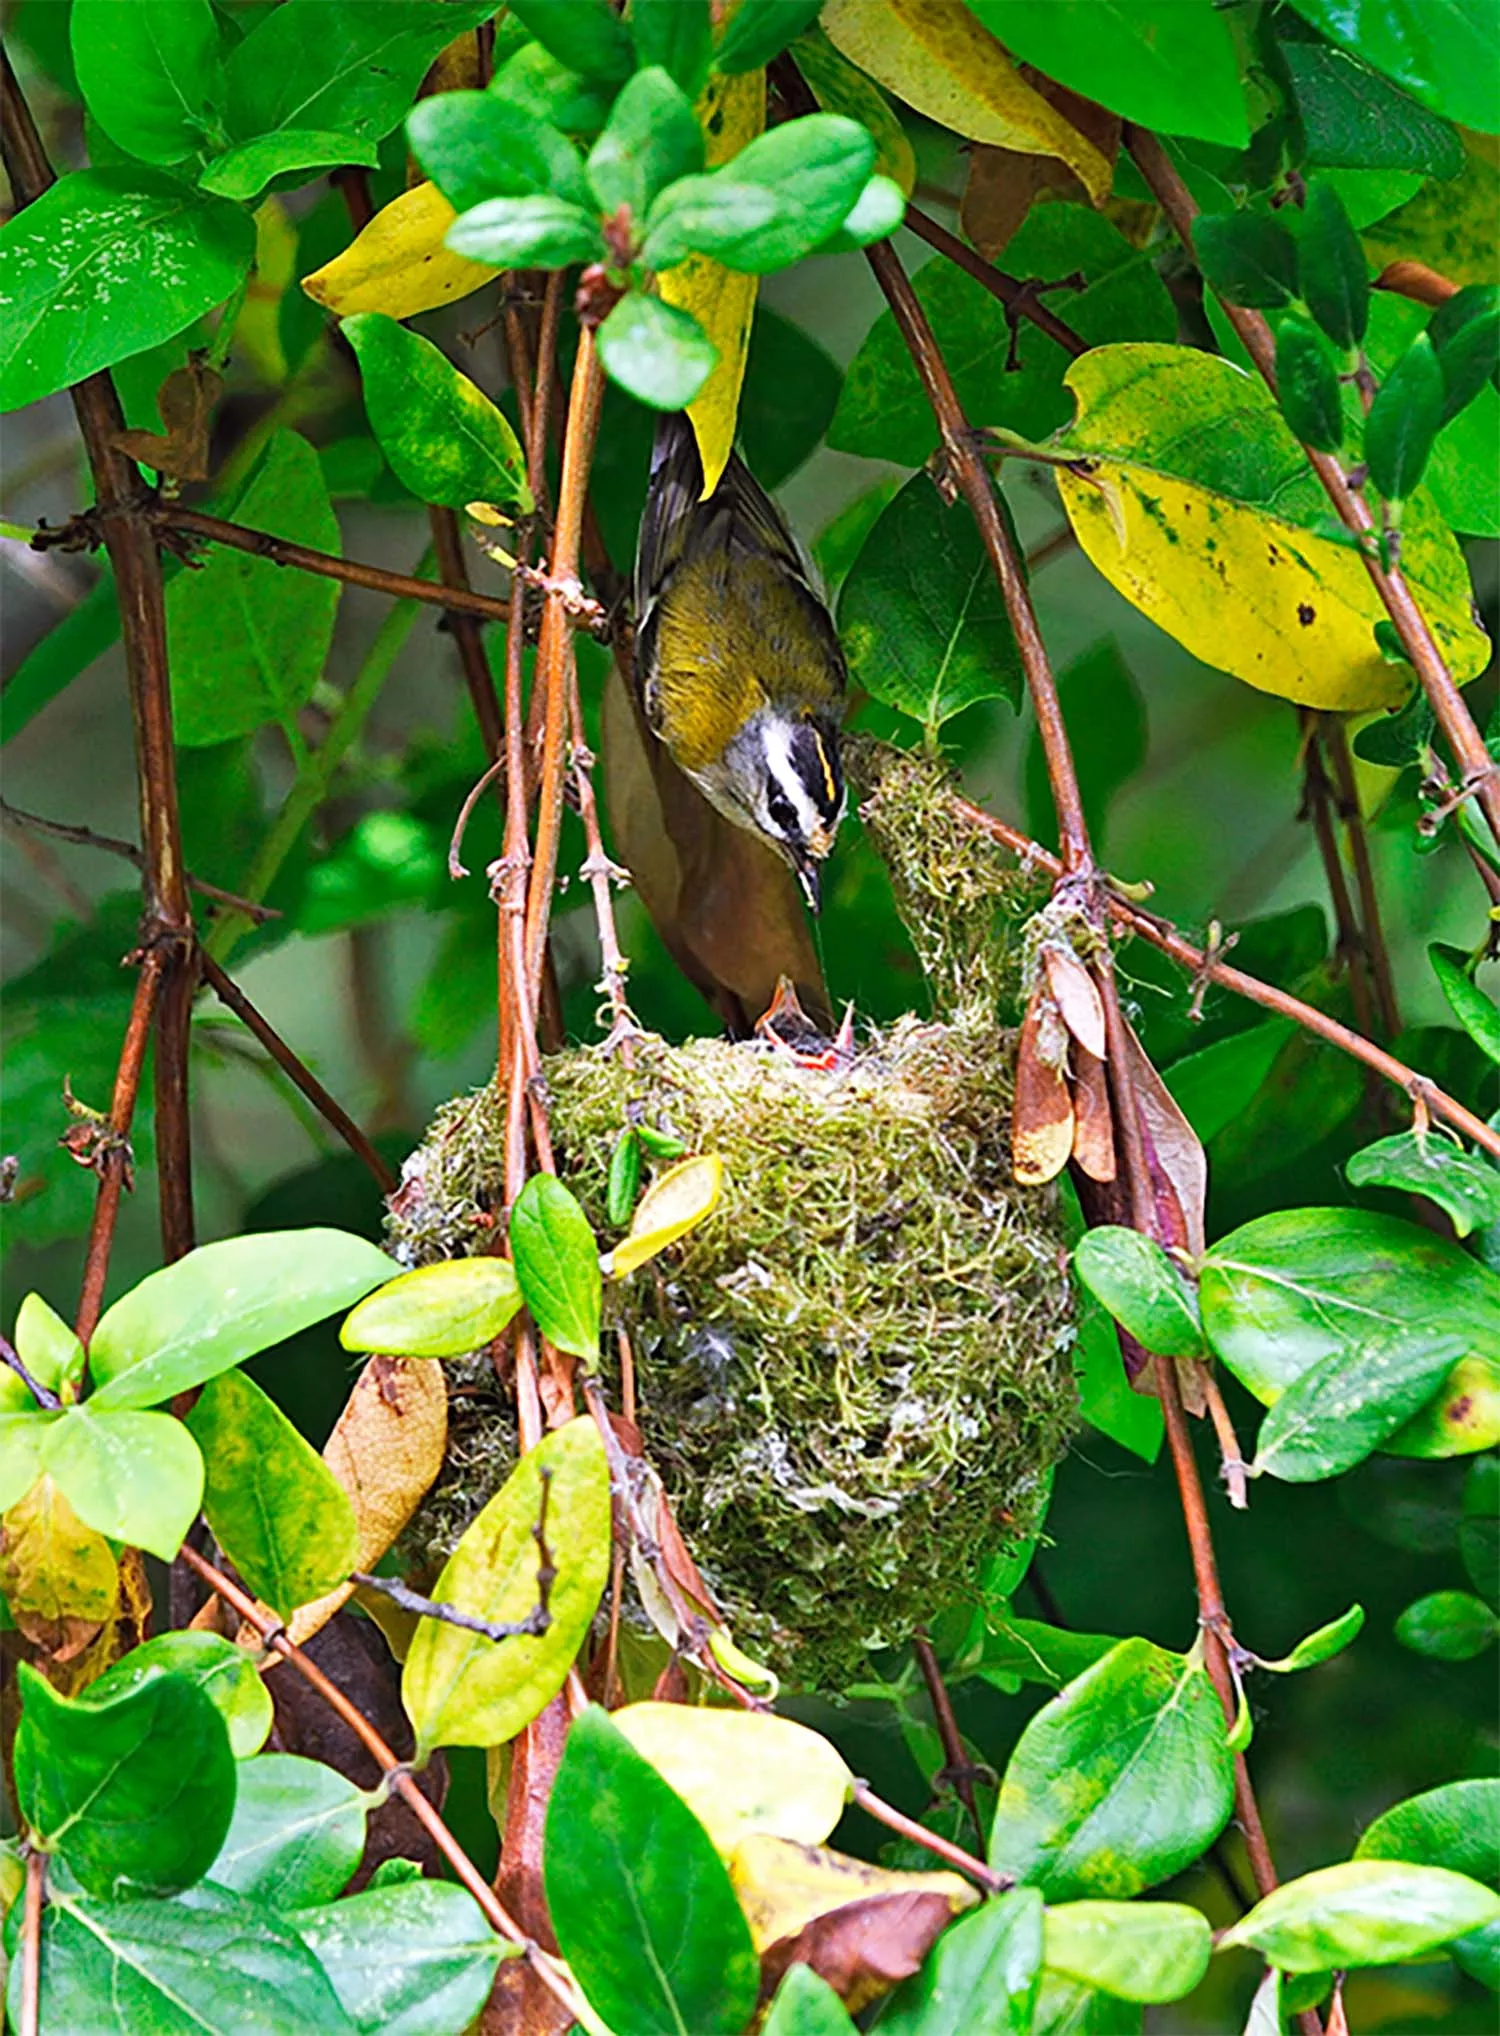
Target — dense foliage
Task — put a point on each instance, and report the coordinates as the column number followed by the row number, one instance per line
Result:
column 574, row 1556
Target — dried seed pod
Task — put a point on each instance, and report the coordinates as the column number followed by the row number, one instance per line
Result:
column 1077, row 998
column 1093, row 1131
column 1041, row 1137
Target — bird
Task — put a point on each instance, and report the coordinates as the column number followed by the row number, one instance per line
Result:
column 737, row 660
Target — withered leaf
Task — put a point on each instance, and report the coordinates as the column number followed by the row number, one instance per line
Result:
column 1093, row 1130
column 1041, row 1133
column 186, row 401
column 1076, row 997
column 1003, row 184
column 58, row 1576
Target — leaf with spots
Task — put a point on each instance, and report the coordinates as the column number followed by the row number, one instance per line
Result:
column 1192, row 497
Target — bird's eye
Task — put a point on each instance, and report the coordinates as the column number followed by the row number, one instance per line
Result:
column 780, row 812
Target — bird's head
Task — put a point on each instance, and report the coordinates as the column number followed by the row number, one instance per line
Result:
column 786, row 776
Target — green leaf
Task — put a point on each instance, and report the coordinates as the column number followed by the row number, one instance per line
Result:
column 441, row 1310
column 583, row 34
column 1457, row 1826
column 710, row 215
column 651, row 138
column 557, row 1264
column 50, row 1351
column 68, row 648
column 980, row 1979
column 805, row 2005
column 624, row 1177
column 225, row 1673
column 1005, row 375
column 248, row 639
column 1448, row 1626
column 297, row 1833
column 1401, row 737
column 135, row 1792
column 875, row 214
column 643, row 1907
column 1140, row 1286
column 1404, row 420
column 221, row 1304
column 1063, row 2008
column 106, row 263
column 1213, row 1086
column 1335, row 281
column 539, row 232
column 276, row 1509
column 1038, row 1653
column 1334, row 1415
column 339, row 65
column 1157, row 62
column 245, row 170
column 1466, row 335
column 209, row 1965
column 1322, row 1645
column 479, row 145
column 761, row 29
column 136, row 1477
column 24, row 1436
column 1119, row 1782
column 1248, row 258
column 150, row 73
column 461, row 1689
column 1464, row 1186
column 534, row 80
column 1366, row 1912
column 415, row 1959
column 1288, row 1290
column 677, row 35
column 1354, row 119
column 1443, row 56
column 1470, row 1006
column 1479, row 1526
column 1307, row 385
column 921, row 615
column 442, row 437
column 1141, row 1951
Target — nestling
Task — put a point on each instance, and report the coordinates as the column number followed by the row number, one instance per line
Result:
column 737, row 659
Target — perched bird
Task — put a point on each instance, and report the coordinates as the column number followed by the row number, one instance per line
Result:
column 737, row 661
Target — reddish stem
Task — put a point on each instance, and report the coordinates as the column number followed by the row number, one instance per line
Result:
column 113, row 1159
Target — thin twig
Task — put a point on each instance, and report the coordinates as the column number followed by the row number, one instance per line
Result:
column 1477, row 767
column 110, row 844
column 897, row 1820
column 397, row 1774
column 229, row 993
column 536, row 1622
column 1020, row 299
column 1206, row 967
column 1346, row 798
column 1317, row 808
column 1232, row 1465
column 115, row 1157
column 958, row 1769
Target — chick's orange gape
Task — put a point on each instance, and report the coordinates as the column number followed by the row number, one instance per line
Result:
column 739, row 665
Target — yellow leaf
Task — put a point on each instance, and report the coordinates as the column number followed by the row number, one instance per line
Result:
column 1464, row 1417
column 59, row 1577
column 784, row 1886
column 669, row 1209
column 398, row 264
column 732, row 112
column 1193, row 499
column 839, row 88
column 742, row 1771
column 1452, row 224
column 935, row 55
column 386, row 1449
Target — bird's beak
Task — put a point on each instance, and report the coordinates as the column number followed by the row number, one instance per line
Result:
column 810, row 877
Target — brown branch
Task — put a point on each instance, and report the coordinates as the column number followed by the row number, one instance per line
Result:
column 31, row 1944
column 398, row 1778
column 230, row 994
column 121, row 496
column 1317, row 808
column 1346, row 798
column 1417, row 281
column 1476, row 766
column 110, row 844
column 1020, row 299
column 114, row 1158
column 465, row 629
column 958, row 1769
column 1208, row 968
column 897, row 1820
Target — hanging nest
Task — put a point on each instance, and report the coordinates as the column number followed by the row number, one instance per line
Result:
column 856, row 1375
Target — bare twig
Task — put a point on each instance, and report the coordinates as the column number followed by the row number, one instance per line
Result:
column 1317, row 807
column 1476, row 766
column 897, row 1820
column 1020, row 299
column 397, row 1775
column 536, row 1622
column 1208, row 968
column 958, row 1769
column 1346, row 799
column 115, row 1159
column 109, row 844
column 229, row 993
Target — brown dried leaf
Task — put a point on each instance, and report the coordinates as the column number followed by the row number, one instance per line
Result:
column 728, row 910
column 1076, row 997
column 186, row 401
column 385, row 1450
column 1041, row 1132
column 1003, row 184
column 1174, row 1156
column 1093, row 1131
column 59, row 1577
column 856, row 1924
